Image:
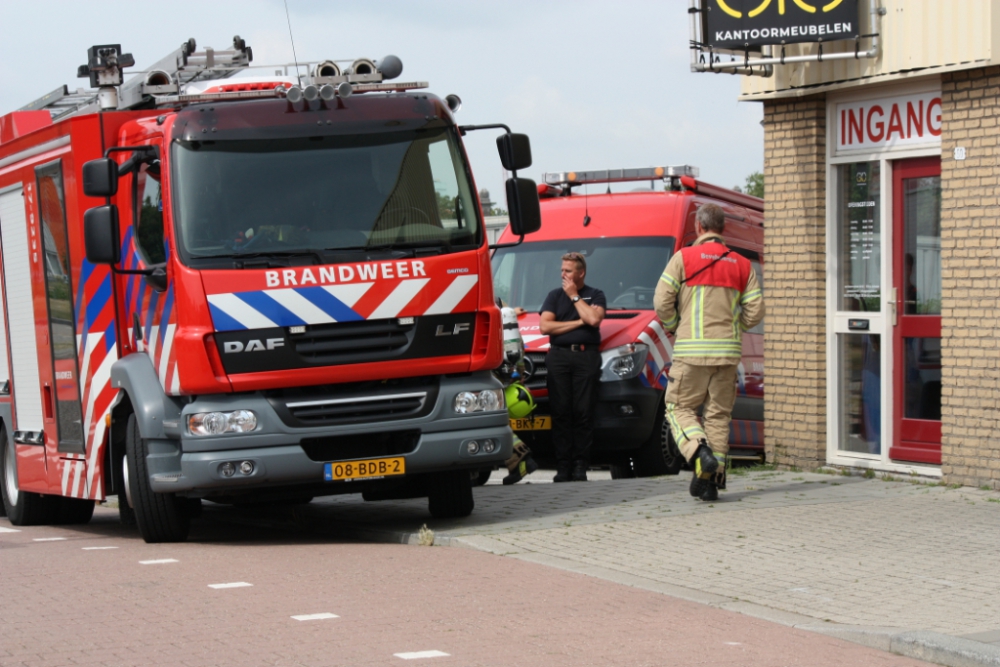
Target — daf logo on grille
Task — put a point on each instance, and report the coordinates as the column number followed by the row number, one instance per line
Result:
column 444, row 330
column 253, row 345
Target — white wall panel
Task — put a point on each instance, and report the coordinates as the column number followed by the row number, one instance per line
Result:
column 20, row 312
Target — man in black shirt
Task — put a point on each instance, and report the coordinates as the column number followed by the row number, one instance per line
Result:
column 571, row 318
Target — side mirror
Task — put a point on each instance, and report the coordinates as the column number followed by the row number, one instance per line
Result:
column 100, row 178
column 522, row 200
column 100, row 235
column 515, row 151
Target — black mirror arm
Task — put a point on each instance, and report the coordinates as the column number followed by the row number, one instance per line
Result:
column 518, row 242
column 463, row 129
column 140, row 154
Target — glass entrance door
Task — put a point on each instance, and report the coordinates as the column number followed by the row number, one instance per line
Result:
column 916, row 306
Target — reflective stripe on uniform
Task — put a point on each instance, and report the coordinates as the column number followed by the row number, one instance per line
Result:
column 752, row 295
column 670, row 280
column 708, row 348
column 690, row 433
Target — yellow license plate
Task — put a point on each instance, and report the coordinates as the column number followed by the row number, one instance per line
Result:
column 342, row 471
column 532, row 424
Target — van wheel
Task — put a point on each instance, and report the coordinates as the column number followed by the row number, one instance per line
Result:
column 659, row 454
column 450, row 495
column 161, row 517
column 22, row 508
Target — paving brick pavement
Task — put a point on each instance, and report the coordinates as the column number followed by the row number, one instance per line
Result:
column 834, row 549
column 62, row 605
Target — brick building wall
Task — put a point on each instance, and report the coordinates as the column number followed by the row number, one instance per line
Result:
column 970, row 272
column 795, row 281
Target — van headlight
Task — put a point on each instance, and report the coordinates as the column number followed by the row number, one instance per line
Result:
column 623, row 363
column 488, row 400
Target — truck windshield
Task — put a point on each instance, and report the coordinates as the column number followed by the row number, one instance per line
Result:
column 324, row 196
column 626, row 269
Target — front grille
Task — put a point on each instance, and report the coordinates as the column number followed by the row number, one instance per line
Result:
column 352, row 342
column 618, row 315
column 355, row 403
column 369, row 408
column 539, row 371
column 360, row 445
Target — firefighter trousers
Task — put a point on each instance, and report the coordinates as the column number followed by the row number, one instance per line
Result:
column 691, row 387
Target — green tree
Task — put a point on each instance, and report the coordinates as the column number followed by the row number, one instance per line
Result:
column 754, row 185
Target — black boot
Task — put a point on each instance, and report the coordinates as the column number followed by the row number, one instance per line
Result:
column 563, row 473
column 580, row 471
column 698, row 486
column 524, row 468
column 711, row 492
column 704, row 462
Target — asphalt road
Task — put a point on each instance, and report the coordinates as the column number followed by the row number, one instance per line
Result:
column 291, row 595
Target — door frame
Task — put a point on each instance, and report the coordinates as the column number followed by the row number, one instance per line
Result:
column 880, row 322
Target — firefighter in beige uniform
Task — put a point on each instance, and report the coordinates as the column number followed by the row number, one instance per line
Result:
column 709, row 296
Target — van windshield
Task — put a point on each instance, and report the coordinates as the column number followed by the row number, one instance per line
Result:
column 625, row 269
column 322, row 197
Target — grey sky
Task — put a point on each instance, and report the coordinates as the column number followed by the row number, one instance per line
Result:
column 595, row 84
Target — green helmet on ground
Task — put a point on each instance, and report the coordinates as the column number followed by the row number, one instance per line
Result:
column 519, row 401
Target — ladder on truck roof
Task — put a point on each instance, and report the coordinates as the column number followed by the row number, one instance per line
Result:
column 166, row 76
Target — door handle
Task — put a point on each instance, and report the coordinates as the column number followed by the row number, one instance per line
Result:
column 893, row 305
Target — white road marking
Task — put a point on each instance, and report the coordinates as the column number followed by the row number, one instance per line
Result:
column 97, row 548
column 49, row 539
column 235, row 584
column 158, row 562
column 421, row 654
column 732, row 643
column 315, row 617
column 8, row 530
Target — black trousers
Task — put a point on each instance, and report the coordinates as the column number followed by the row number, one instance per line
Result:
column 572, row 383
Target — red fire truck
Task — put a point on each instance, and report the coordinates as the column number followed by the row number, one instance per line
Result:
column 244, row 289
column 627, row 239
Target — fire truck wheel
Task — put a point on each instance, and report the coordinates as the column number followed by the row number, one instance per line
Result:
column 22, row 508
column 659, row 454
column 450, row 495
column 623, row 470
column 481, row 476
column 161, row 517
column 74, row 511
column 125, row 512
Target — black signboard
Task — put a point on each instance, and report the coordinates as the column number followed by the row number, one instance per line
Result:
column 745, row 24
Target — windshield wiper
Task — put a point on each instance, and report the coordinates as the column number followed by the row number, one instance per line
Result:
column 264, row 254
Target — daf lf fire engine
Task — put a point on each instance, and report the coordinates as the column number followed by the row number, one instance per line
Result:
column 627, row 239
column 244, row 289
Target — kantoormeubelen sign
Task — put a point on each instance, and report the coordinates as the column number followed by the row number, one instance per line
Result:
column 745, row 24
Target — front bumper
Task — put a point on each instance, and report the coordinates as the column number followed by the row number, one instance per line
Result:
column 434, row 442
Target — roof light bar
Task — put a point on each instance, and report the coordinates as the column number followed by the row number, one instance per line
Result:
column 389, row 87
column 619, row 175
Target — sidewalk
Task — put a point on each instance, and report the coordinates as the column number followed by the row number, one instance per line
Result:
column 894, row 565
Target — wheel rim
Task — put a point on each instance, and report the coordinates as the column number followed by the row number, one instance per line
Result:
column 10, row 472
column 669, row 456
column 128, row 489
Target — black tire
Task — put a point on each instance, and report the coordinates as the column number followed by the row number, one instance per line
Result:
column 22, row 508
column 450, row 495
column 74, row 511
column 622, row 470
column 125, row 512
column 659, row 454
column 481, row 476
column 161, row 517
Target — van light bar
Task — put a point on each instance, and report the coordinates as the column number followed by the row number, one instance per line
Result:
column 619, row 175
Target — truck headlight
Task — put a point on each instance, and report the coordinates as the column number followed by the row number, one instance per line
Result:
column 488, row 400
column 217, row 423
column 623, row 363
